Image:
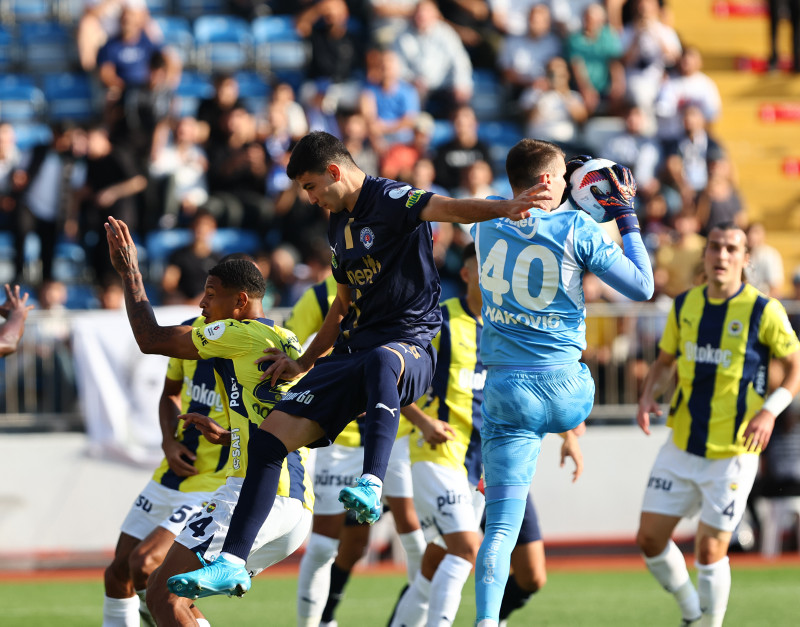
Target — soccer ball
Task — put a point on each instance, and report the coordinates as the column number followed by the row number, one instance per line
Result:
column 585, row 182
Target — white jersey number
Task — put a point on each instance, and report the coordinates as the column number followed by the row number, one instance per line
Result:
column 494, row 281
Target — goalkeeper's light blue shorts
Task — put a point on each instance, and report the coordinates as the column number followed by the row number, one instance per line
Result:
column 520, row 407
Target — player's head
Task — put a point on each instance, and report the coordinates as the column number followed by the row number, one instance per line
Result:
column 532, row 161
column 469, row 270
column 726, row 257
column 322, row 165
column 233, row 289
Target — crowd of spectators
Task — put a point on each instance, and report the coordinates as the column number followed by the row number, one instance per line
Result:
column 396, row 80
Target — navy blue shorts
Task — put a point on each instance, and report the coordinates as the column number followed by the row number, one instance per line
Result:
column 334, row 392
column 529, row 532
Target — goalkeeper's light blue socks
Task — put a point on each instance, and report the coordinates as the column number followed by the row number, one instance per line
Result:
column 505, row 508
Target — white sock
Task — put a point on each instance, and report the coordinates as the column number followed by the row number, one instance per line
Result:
column 714, row 588
column 412, row 610
column 446, row 585
column 314, row 579
column 487, row 622
column 669, row 569
column 232, row 559
column 121, row 612
column 202, row 622
column 144, row 613
column 377, row 482
column 414, row 544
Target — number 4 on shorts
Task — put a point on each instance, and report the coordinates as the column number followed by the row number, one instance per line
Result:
column 728, row 511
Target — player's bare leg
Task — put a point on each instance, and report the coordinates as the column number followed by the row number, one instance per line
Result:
column 168, row 609
column 144, row 559
column 121, row 605
column 713, row 572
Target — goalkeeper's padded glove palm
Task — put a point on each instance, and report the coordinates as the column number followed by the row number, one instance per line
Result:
column 619, row 201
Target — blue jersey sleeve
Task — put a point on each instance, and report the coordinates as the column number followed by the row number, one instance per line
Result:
column 594, row 249
column 631, row 275
column 403, row 205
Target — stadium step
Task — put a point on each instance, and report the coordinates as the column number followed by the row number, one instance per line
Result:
column 760, row 119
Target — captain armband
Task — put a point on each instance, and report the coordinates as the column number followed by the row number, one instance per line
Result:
column 776, row 402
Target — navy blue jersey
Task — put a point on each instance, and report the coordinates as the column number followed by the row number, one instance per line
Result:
column 384, row 252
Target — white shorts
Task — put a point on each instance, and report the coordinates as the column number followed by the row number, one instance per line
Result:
column 285, row 529
column 681, row 484
column 338, row 466
column 398, row 483
column 160, row 506
column 445, row 501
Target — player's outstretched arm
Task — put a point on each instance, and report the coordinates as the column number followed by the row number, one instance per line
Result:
column 658, row 377
column 469, row 210
column 175, row 341
column 288, row 369
column 571, row 448
column 15, row 311
column 631, row 275
column 758, row 432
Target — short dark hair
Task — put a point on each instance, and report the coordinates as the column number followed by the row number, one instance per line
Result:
column 241, row 275
column 528, row 159
column 468, row 253
column 315, row 152
column 732, row 226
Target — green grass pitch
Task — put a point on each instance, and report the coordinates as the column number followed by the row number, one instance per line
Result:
column 768, row 596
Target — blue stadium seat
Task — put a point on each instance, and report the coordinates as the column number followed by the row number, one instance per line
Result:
column 232, row 240
column 253, row 90
column 69, row 96
column 223, row 43
column 70, row 11
column 32, row 134
column 195, row 8
column 193, row 88
column 69, row 262
column 82, row 296
column 6, row 49
column 159, row 7
column 160, row 244
column 46, row 47
column 178, row 35
column 489, row 95
column 20, row 99
column 500, row 136
column 28, row 10
column 277, row 46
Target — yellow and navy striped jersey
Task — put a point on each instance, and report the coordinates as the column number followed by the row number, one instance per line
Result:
column 235, row 345
column 304, row 320
column 199, row 394
column 456, row 393
column 722, row 349
column 310, row 310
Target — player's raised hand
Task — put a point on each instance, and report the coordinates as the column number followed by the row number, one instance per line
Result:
column 539, row 196
column 282, row 367
column 15, row 302
column 618, row 202
column 121, row 247
column 210, row 428
column 179, row 458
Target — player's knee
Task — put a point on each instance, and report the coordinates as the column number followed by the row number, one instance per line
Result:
column 649, row 543
column 141, row 565
column 531, row 581
column 383, row 362
column 116, row 572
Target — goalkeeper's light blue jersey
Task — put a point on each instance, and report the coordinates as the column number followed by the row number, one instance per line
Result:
column 531, row 277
